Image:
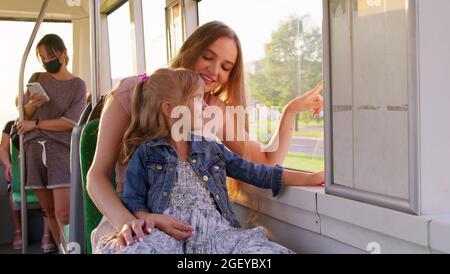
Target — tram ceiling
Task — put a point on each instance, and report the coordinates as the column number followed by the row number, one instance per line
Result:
column 58, row 10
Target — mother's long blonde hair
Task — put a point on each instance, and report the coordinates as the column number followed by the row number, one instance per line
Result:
column 147, row 119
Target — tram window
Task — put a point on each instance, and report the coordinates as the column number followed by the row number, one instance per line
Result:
column 11, row 51
column 176, row 28
column 282, row 47
column 369, row 47
column 120, row 41
column 155, row 34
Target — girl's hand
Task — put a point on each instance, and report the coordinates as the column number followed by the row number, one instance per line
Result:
column 8, row 173
column 173, row 227
column 25, row 126
column 139, row 227
column 317, row 179
column 312, row 100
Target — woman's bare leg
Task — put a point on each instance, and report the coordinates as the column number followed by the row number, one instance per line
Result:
column 17, row 224
column 45, row 197
column 61, row 197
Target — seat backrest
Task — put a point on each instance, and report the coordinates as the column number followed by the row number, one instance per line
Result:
column 76, row 224
column 32, row 201
column 88, row 142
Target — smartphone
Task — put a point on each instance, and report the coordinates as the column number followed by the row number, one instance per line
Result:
column 36, row 88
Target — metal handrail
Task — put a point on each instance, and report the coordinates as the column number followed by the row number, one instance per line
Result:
column 94, row 16
column 23, row 205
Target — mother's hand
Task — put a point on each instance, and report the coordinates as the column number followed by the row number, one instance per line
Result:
column 139, row 227
column 312, row 100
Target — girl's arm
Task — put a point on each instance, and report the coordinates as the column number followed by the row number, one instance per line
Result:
column 275, row 152
column 298, row 178
column 264, row 176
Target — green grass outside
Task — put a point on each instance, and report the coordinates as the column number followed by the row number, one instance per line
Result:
column 309, row 133
column 304, row 162
column 301, row 133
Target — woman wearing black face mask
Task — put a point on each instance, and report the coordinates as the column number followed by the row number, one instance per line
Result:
column 47, row 128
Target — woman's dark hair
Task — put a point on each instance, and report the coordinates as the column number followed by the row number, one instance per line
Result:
column 53, row 45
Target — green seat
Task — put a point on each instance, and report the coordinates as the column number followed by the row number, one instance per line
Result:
column 88, row 142
column 32, row 201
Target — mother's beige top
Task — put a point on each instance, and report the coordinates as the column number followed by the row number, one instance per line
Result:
column 123, row 92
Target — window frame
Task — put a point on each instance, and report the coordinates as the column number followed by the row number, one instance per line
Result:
column 169, row 5
column 412, row 204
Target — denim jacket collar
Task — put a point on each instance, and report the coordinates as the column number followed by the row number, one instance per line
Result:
column 196, row 146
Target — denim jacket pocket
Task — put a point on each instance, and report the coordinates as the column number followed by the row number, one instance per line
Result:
column 156, row 172
column 216, row 167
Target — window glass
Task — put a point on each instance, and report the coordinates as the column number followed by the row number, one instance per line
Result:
column 282, row 47
column 119, row 30
column 155, row 34
column 369, row 42
column 176, row 29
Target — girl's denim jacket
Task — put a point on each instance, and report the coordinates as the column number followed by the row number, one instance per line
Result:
column 152, row 171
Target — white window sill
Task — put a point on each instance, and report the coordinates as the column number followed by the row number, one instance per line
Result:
column 351, row 222
column 440, row 234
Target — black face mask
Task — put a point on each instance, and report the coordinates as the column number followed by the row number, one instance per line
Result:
column 53, row 66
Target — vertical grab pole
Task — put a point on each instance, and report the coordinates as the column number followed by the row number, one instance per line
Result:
column 21, row 117
column 94, row 22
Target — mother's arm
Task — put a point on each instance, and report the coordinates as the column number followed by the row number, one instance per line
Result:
column 275, row 152
column 113, row 123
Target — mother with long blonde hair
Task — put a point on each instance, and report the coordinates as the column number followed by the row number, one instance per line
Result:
column 214, row 52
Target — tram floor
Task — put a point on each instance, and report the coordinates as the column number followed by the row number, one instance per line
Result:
column 33, row 248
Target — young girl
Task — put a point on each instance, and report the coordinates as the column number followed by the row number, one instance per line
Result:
column 187, row 179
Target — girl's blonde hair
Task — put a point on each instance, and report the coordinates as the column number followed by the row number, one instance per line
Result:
column 233, row 91
column 147, row 119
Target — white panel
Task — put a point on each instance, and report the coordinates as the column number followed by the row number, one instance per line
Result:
column 380, row 83
column 440, row 235
column 434, row 45
column 396, row 224
column 300, row 197
column 305, row 219
column 293, row 205
column 82, row 51
column 297, row 239
column 368, row 240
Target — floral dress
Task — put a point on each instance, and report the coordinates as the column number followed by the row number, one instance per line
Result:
column 191, row 203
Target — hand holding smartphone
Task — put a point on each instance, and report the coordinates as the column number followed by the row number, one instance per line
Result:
column 36, row 88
